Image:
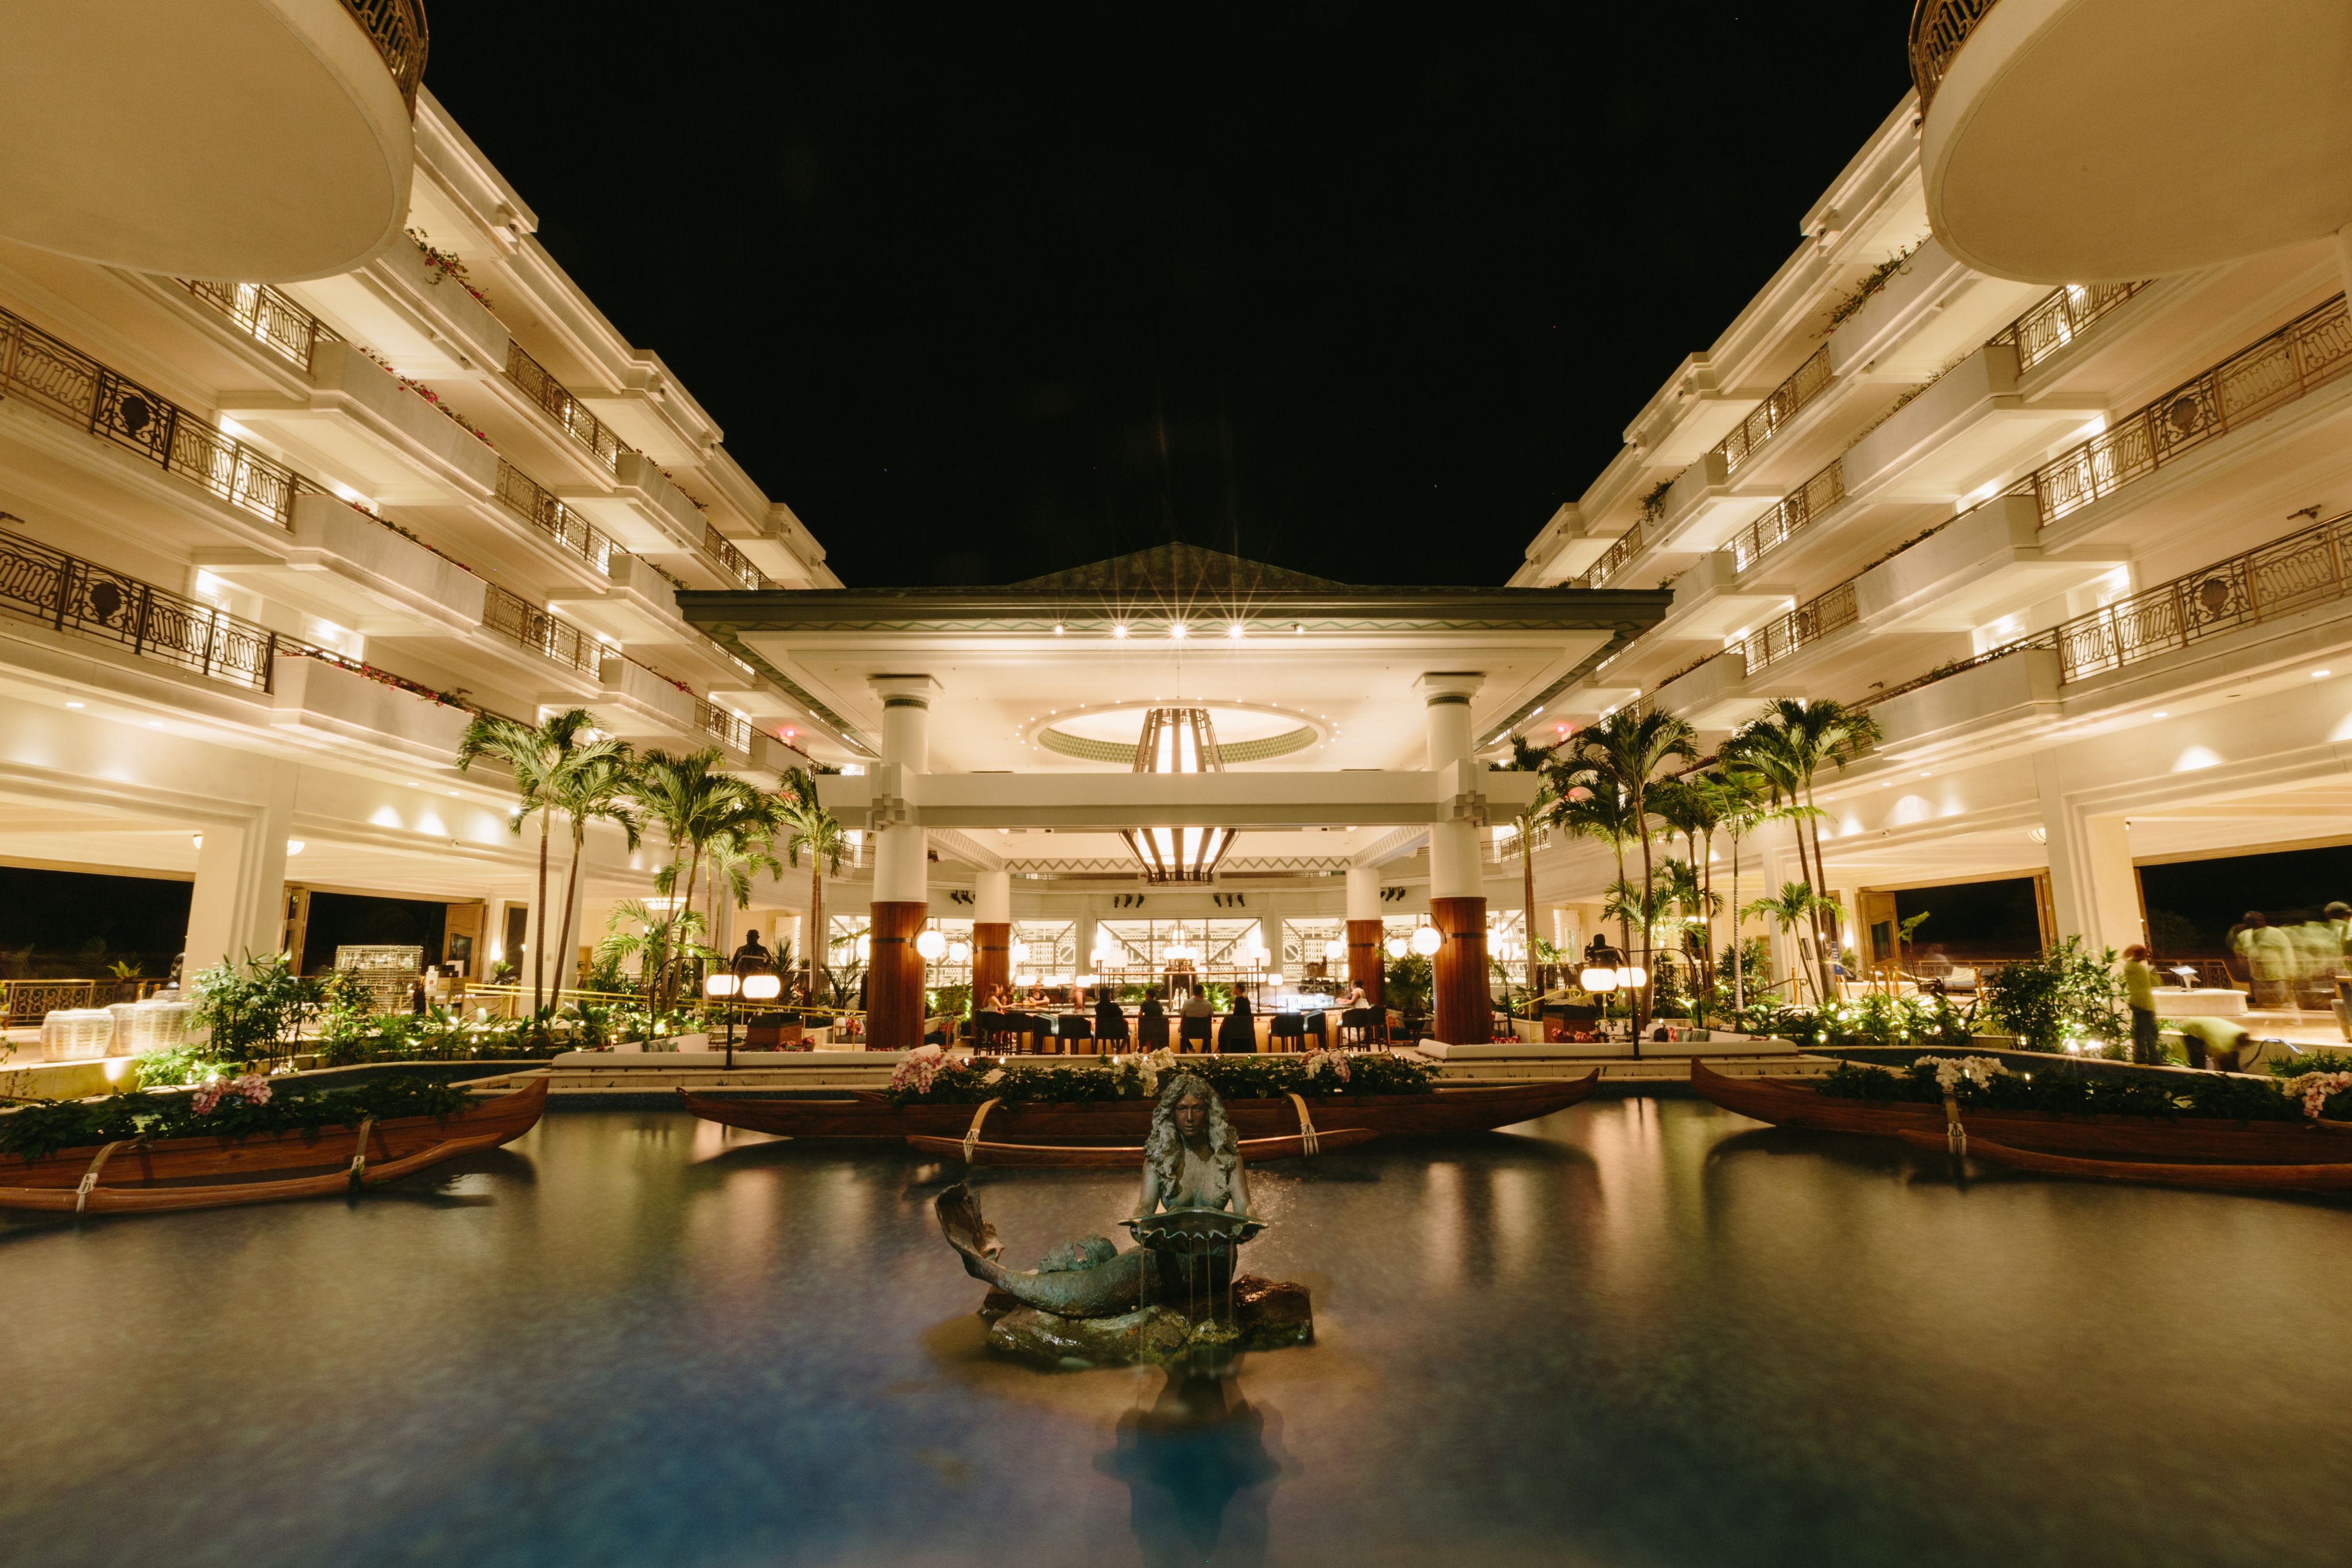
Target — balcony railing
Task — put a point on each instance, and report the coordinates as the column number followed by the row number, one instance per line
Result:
column 266, row 316
column 518, row 492
column 1795, row 512
column 571, row 415
column 519, row 621
column 71, row 594
column 397, row 29
column 730, row 730
column 1938, row 29
column 2278, row 579
column 2306, row 353
column 1801, row 628
column 731, row 560
column 1804, row 385
column 63, row 382
column 2060, row 319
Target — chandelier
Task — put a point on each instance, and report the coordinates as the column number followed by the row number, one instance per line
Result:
column 1178, row 740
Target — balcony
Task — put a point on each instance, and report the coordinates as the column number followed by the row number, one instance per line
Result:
column 341, row 700
column 69, row 595
column 728, row 729
column 2054, row 324
column 255, row 139
column 524, row 497
column 1810, row 623
column 568, row 414
column 2299, row 358
column 1713, row 600
column 46, row 373
column 732, row 561
column 1795, row 512
column 392, row 436
column 355, row 570
column 642, row 706
column 647, row 511
column 1713, row 693
column 1972, row 570
column 1947, row 437
column 638, row 604
column 2053, row 145
column 1805, row 383
column 522, row 623
column 263, row 314
column 1969, row 702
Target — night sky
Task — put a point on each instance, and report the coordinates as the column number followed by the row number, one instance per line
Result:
column 1362, row 291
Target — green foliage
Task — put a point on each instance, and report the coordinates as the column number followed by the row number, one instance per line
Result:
column 1410, row 983
column 40, row 1130
column 951, row 1002
column 2059, row 1092
column 2067, row 993
column 1877, row 1021
column 2311, row 1061
column 251, row 1009
column 1233, row 1078
column 169, row 1068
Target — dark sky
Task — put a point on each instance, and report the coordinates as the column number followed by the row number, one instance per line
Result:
column 996, row 290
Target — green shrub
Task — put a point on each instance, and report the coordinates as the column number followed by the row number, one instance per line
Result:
column 2066, row 993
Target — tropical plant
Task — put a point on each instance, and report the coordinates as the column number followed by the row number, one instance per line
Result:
column 1693, row 806
column 1410, row 983
column 1527, row 757
column 694, row 804
column 539, row 756
column 1622, row 756
column 1787, row 746
column 810, row 830
column 249, row 1008
column 1744, row 805
column 2067, row 994
column 738, row 858
column 1797, row 904
column 595, row 785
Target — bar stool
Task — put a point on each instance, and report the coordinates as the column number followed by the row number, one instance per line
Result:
column 1151, row 1032
column 1194, row 1034
column 1286, row 1032
column 1359, row 1026
column 1072, row 1028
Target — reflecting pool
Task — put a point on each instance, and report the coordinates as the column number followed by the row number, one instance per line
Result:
column 1641, row 1332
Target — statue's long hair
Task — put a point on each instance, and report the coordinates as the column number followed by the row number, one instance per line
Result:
column 1164, row 1149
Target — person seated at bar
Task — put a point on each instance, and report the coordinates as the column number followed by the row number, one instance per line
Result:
column 1354, row 997
column 1196, row 1013
column 1238, row 1033
column 1111, row 1020
column 1037, row 998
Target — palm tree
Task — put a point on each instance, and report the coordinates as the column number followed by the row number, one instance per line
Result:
column 1797, row 902
column 1623, row 755
column 809, row 829
column 737, row 858
column 595, row 785
column 1582, row 813
column 1789, row 744
column 537, row 757
column 1527, row 757
column 1693, row 806
column 694, row 804
column 1746, row 805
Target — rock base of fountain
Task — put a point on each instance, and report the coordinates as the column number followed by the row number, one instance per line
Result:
column 1267, row 1314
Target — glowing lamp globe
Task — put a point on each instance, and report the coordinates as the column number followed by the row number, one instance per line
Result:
column 865, row 948
column 931, row 945
column 1634, row 976
column 1334, row 950
column 1426, row 940
column 721, row 985
column 959, row 952
column 762, row 987
column 1601, row 982
column 1396, row 946
column 1020, row 951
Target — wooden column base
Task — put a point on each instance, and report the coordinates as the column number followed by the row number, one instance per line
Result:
column 1367, row 964
column 991, row 959
column 893, row 978
column 1465, row 1014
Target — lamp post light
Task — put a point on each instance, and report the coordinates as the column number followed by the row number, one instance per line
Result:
column 721, row 988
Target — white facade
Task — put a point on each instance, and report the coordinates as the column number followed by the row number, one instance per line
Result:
column 247, row 535
column 2086, row 554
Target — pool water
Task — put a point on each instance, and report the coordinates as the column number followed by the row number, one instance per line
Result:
column 1639, row 1331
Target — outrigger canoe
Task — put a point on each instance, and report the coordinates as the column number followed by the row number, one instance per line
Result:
column 2220, row 1178
column 1793, row 1103
column 1074, row 1156
column 1122, row 1122
column 133, row 1176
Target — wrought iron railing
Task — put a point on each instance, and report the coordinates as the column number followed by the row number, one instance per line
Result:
column 2060, row 319
column 71, row 594
column 1626, row 545
column 518, row 492
column 266, row 316
column 397, row 29
column 1804, row 385
column 519, row 621
column 62, row 381
column 717, row 721
column 731, row 560
column 1938, row 29
column 570, row 414
column 2279, row 578
column 1806, row 624
column 2307, row 353
column 1795, row 512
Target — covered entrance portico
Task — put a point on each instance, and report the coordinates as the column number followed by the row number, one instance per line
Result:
column 1188, row 730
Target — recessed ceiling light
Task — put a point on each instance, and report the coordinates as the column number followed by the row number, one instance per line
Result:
column 1178, row 630
column 154, row 723
column 2163, row 716
column 2321, row 675
column 1234, row 631
column 76, row 704
column 1118, row 630
column 1057, row 628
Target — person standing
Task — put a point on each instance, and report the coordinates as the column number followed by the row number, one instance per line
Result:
column 2139, row 995
column 2270, row 959
column 750, row 958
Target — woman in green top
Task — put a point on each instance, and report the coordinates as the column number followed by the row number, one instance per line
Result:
column 2139, row 995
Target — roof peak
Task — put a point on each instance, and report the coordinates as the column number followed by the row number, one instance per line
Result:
column 1180, row 568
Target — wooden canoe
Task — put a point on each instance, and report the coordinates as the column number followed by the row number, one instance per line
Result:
column 1126, row 1121
column 279, row 1159
column 1793, row 1103
column 161, row 1198
column 1075, row 1156
column 2220, row 1178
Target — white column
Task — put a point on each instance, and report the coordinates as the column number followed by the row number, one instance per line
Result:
column 1089, row 933
column 2094, row 891
column 1454, row 870
column 902, row 853
column 1269, row 932
column 1363, row 892
column 991, row 898
column 239, row 905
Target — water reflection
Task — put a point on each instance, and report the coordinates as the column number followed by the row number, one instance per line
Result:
column 1199, row 1465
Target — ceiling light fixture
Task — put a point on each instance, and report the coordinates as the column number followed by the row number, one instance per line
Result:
column 1118, row 629
column 1178, row 740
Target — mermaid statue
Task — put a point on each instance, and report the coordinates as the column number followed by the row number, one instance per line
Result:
column 1191, row 1215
